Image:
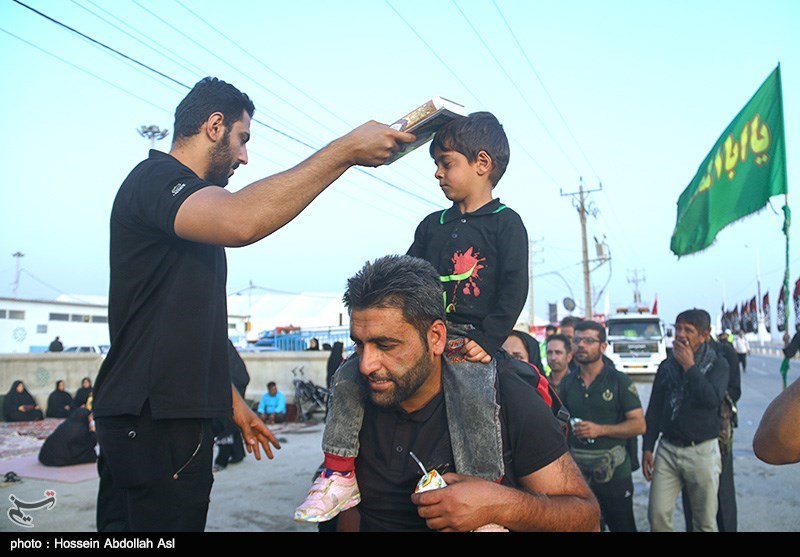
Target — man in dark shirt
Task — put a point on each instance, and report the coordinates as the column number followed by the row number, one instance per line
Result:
column 397, row 325
column 56, row 345
column 683, row 416
column 606, row 411
column 727, row 514
column 167, row 374
column 567, row 328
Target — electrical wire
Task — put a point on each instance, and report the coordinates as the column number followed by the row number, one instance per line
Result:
column 185, row 86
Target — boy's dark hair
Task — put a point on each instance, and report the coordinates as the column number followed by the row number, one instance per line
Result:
column 563, row 338
column 480, row 131
column 209, row 95
column 571, row 320
column 589, row 325
column 407, row 283
column 699, row 318
column 271, row 384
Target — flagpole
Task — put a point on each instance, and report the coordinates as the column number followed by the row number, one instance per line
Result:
column 787, row 219
column 760, row 318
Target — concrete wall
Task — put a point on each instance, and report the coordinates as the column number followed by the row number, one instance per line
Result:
column 40, row 372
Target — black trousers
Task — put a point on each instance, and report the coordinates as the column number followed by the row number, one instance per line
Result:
column 616, row 504
column 742, row 360
column 231, row 454
column 727, row 513
column 155, row 475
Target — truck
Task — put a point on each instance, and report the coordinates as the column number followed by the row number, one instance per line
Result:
column 636, row 340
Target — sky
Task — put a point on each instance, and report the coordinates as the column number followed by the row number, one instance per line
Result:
column 622, row 98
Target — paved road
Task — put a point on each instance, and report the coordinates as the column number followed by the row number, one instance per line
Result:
column 768, row 497
column 260, row 496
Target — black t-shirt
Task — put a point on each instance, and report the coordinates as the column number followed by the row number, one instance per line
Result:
column 493, row 243
column 167, row 304
column 387, row 474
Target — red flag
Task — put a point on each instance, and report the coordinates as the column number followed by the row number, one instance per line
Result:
column 780, row 310
column 655, row 306
column 765, row 310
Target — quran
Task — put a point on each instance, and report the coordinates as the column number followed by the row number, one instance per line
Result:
column 424, row 121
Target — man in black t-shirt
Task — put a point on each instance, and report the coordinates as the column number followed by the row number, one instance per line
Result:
column 397, row 325
column 167, row 376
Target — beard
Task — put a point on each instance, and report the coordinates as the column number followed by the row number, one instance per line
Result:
column 406, row 385
column 221, row 162
column 587, row 358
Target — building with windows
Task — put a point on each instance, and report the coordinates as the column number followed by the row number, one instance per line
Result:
column 28, row 326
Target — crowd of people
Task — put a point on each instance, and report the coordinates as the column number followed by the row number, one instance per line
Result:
column 19, row 405
column 433, row 423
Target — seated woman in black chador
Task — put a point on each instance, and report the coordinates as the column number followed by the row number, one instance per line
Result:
column 83, row 393
column 72, row 442
column 59, row 403
column 20, row 406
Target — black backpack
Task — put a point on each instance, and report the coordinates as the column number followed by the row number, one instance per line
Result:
column 533, row 375
column 632, row 443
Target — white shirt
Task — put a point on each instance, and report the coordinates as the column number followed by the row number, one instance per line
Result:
column 741, row 345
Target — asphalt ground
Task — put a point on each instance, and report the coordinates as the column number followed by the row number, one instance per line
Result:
column 257, row 497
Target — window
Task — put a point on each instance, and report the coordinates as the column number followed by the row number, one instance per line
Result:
column 16, row 314
column 2, row 314
column 75, row 318
column 99, row 319
column 59, row 317
column 634, row 329
column 41, row 329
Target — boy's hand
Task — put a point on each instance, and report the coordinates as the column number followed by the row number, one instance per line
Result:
column 474, row 353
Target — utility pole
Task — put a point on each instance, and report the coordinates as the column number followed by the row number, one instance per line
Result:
column 582, row 209
column 153, row 133
column 531, row 253
column 19, row 255
column 637, row 295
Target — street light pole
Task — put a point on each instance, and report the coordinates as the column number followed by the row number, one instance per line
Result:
column 19, row 255
column 153, row 133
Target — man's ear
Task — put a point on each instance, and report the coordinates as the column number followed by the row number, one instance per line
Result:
column 214, row 126
column 483, row 163
column 437, row 337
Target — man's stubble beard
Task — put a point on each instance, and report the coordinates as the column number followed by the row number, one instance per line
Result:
column 406, row 385
column 589, row 359
column 220, row 163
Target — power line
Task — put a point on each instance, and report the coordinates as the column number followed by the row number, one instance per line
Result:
column 161, row 52
column 94, row 75
column 98, row 43
column 550, row 98
column 449, row 69
column 516, row 87
column 137, row 62
column 215, row 55
column 265, row 66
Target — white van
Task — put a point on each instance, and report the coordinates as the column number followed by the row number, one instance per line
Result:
column 636, row 342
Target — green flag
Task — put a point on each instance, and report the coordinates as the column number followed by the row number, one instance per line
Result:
column 745, row 168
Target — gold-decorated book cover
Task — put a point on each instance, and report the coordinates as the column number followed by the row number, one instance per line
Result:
column 424, row 120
